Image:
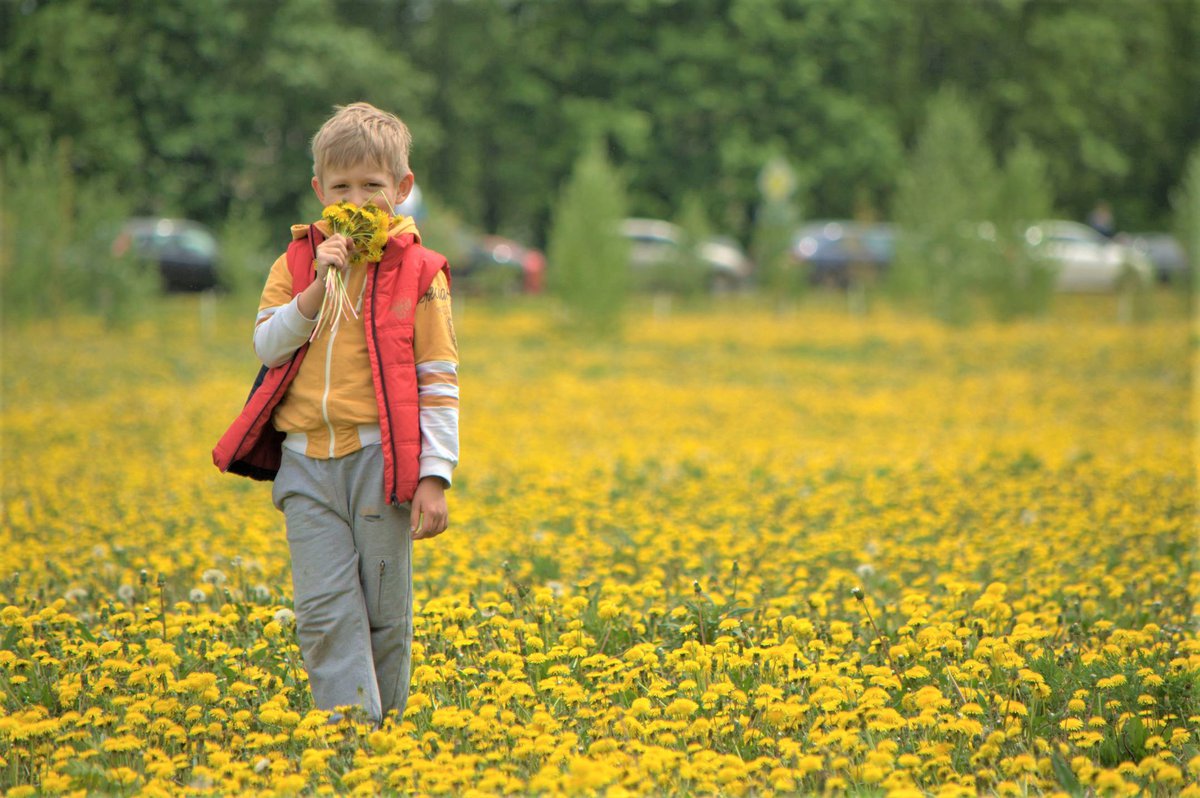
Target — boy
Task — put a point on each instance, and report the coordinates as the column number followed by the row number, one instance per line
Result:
column 359, row 428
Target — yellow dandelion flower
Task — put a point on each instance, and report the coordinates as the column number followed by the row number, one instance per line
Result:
column 1109, row 781
column 681, row 708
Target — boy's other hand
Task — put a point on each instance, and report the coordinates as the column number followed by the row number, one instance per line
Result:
column 429, row 514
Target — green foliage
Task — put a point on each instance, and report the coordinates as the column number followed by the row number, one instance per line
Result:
column 680, row 270
column 774, row 225
column 125, row 287
column 119, row 287
column 444, row 231
column 1185, row 200
column 773, row 229
column 192, row 107
column 964, row 220
column 56, row 233
column 38, row 216
column 189, row 107
column 944, row 196
column 1017, row 283
column 588, row 259
column 693, row 277
column 246, row 253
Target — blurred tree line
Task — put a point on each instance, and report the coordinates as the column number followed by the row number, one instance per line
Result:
column 204, row 109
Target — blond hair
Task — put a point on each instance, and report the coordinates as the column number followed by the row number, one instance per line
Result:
column 361, row 133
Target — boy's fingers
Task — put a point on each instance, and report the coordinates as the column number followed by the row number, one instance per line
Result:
column 431, row 526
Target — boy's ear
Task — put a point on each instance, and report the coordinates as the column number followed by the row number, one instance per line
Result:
column 316, row 184
column 404, row 188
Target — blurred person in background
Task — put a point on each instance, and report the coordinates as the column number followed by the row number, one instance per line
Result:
column 1101, row 219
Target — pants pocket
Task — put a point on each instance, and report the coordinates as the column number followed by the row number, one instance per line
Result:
column 386, row 591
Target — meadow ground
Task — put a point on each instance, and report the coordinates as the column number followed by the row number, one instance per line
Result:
column 742, row 552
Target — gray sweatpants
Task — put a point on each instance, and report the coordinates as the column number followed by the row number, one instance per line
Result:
column 351, row 579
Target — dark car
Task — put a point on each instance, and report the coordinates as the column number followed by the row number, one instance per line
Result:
column 833, row 249
column 185, row 251
column 1165, row 253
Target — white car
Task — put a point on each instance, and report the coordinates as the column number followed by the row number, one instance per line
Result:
column 1084, row 259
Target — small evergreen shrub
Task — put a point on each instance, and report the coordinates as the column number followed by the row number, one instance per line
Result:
column 588, row 265
column 1017, row 283
column 943, row 198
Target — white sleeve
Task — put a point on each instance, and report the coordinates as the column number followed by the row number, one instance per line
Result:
column 280, row 331
column 437, row 382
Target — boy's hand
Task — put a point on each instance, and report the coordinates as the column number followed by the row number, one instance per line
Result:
column 429, row 513
column 333, row 252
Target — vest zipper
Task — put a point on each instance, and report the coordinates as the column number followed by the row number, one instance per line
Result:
column 387, row 408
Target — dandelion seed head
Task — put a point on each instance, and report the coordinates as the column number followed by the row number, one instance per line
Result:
column 214, row 576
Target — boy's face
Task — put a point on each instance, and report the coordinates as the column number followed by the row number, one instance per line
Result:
column 361, row 184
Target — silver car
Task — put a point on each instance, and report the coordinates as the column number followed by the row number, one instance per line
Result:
column 1085, row 260
column 655, row 244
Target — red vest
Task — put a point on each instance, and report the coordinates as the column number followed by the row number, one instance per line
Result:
column 252, row 447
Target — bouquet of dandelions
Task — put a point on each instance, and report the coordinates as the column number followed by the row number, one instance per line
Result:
column 367, row 227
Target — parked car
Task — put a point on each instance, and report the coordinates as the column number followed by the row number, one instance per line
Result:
column 185, row 251
column 480, row 263
column 832, row 249
column 1085, row 260
column 494, row 264
column 658, row 261
column 1164, row 252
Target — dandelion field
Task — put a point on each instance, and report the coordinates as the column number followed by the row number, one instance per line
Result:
column 743, row 552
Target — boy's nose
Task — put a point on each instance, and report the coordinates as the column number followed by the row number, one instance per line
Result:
column 365, row 197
